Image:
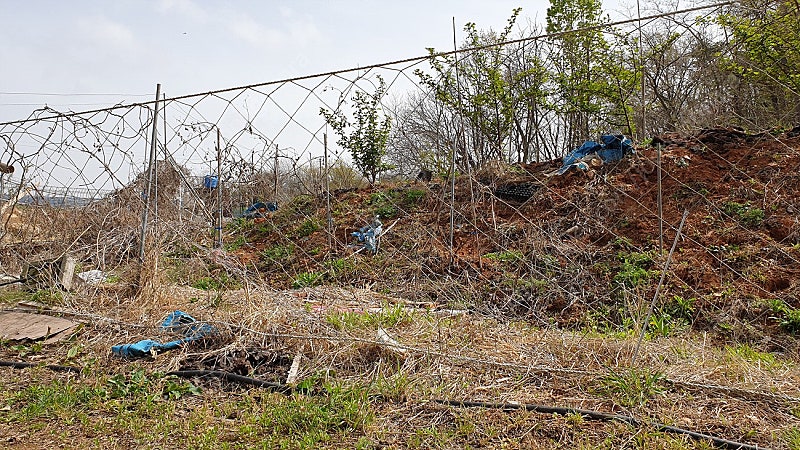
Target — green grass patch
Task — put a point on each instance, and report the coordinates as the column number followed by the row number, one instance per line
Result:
column 505, row 256
column 788, row 318
column 278, row 252
column 152, row 411
column 746, row 353
column 12, row 296
column 305, row 422
column 388, row 316
column 745, row 214
column 307, row 279
column 633, row 387
column 49, row 297
column 338, row 267
column 218, row 282
column 236, row 244
column 791, row 437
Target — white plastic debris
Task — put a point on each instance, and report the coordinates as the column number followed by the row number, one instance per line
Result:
column 93, row 276
column 389, row 342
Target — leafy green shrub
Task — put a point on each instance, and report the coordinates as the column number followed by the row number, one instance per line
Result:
column 383, row 204
column 680, row 307
column 752, row 217
column 663, row 324
column 634, row 269
column 300, row 204
column 386, row 211
column 306, row 228
column 413, row 196
column 132, row 385
column 175, row 389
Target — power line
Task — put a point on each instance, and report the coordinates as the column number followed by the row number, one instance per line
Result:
column 379, row 65
column 54, row 104
column 75, row 94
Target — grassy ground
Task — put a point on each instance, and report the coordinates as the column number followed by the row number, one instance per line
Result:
column 536, row 301
column 361, row 394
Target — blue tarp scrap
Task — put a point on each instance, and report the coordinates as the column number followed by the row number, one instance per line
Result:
column 612, row 147
column 257, row 210
column 176, row 322
column 368, row 235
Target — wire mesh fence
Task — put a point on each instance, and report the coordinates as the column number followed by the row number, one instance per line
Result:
column 490, row 227
column 501, row 270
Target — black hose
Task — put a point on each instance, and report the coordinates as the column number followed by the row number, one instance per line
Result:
column 597, row 415
column 275, row 387
column 286, row 390
column 18, row 280
column 25, row 365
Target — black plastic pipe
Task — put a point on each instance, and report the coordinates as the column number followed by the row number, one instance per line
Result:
column 545, row 409
column 25, row 365
column 276, row 387
column 596, row 415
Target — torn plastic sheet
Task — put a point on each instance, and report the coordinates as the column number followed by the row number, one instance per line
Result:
column 259, row 210
column 93, row 276
column 176, row 322
column 368, row 235
column 612, row 147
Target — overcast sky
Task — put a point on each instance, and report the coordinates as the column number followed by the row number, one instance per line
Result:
column 78, row 55
column 127, row 46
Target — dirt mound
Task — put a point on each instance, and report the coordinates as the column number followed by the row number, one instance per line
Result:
column 581, row 249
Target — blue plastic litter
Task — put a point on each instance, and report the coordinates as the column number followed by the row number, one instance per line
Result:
column 210, row 181
column 612, row 147
column 257, row 209
column 176, row 322
column 368, row 235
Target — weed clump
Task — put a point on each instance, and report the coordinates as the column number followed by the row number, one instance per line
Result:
column 633, row 387
column 746, row 214
column 635, row 269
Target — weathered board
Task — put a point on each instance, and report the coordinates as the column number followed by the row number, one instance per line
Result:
column 17, row 326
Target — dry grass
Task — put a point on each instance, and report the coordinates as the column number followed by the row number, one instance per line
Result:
column 518, row 314
column 736, row 392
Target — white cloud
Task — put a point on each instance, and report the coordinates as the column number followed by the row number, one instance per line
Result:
column 106, row 32
column 287, row 29
column 186, row 8
column 254, row 33
column 304, row 32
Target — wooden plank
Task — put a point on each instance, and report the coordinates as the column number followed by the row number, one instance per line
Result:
column 16, row 326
